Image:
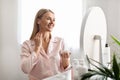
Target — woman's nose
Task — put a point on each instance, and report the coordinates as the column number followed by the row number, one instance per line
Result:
column 52, row 21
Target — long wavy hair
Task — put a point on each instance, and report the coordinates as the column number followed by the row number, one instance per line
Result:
column 39, row 15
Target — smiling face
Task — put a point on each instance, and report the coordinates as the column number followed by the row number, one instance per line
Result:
column 47, row 22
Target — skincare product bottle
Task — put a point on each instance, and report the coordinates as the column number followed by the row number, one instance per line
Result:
column 106, row 55
column 78, row 69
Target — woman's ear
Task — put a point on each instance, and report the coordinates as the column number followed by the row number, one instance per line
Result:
column 38, row 21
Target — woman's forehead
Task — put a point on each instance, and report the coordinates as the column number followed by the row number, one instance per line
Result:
column 49, row 14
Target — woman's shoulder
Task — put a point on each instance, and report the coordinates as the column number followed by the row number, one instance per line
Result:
column 28, row 42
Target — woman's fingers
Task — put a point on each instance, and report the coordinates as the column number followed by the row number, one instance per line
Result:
column 65, row 58
column 38, row 42
column 38, row 39
column 65, row 54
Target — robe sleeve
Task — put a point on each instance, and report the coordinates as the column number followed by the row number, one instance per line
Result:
column 28, row 59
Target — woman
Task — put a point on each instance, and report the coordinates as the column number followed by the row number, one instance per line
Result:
column 43, row 55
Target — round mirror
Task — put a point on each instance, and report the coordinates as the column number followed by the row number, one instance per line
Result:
column 93, row 33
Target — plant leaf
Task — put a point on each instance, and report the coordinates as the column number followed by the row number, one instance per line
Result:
column 88, row 59
column 87, row 75
column 109, row 72
column 97, row 72
column 116, row 40
column 115, row 68
column 102, row 69
column 99, row 68
column 96, row 61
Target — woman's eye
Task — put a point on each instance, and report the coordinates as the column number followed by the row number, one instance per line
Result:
column 53, row 19
column 48, row 18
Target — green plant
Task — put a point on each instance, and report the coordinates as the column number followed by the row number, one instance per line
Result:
column 115, row 40
column 105, row 72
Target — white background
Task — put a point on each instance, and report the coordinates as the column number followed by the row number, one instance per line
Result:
column 68, row 14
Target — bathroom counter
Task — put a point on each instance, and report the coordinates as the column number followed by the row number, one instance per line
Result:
column 61, row 76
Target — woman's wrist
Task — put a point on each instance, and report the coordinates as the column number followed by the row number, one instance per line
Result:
column 37, row 49
column 65, row 63
column 65, row 66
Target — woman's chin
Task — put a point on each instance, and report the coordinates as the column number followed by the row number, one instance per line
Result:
column 50, row 30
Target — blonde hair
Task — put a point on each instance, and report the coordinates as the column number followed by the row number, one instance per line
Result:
column 39, row 15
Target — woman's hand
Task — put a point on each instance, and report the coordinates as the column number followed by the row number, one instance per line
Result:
column 38, row 42
column 65, row 57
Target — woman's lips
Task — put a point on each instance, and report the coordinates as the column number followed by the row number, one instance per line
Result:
column 50, row 26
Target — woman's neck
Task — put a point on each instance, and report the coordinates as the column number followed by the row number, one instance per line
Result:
column 46, row 36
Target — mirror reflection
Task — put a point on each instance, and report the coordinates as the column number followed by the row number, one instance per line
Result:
column 94, row 34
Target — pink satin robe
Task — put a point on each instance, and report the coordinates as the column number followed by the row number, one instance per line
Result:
column 46, row 64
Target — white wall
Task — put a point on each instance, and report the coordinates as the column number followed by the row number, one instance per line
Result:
column 67, row 19
column 114, row 24
column 9, row 49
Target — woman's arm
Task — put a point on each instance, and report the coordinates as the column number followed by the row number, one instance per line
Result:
column 28, row 59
